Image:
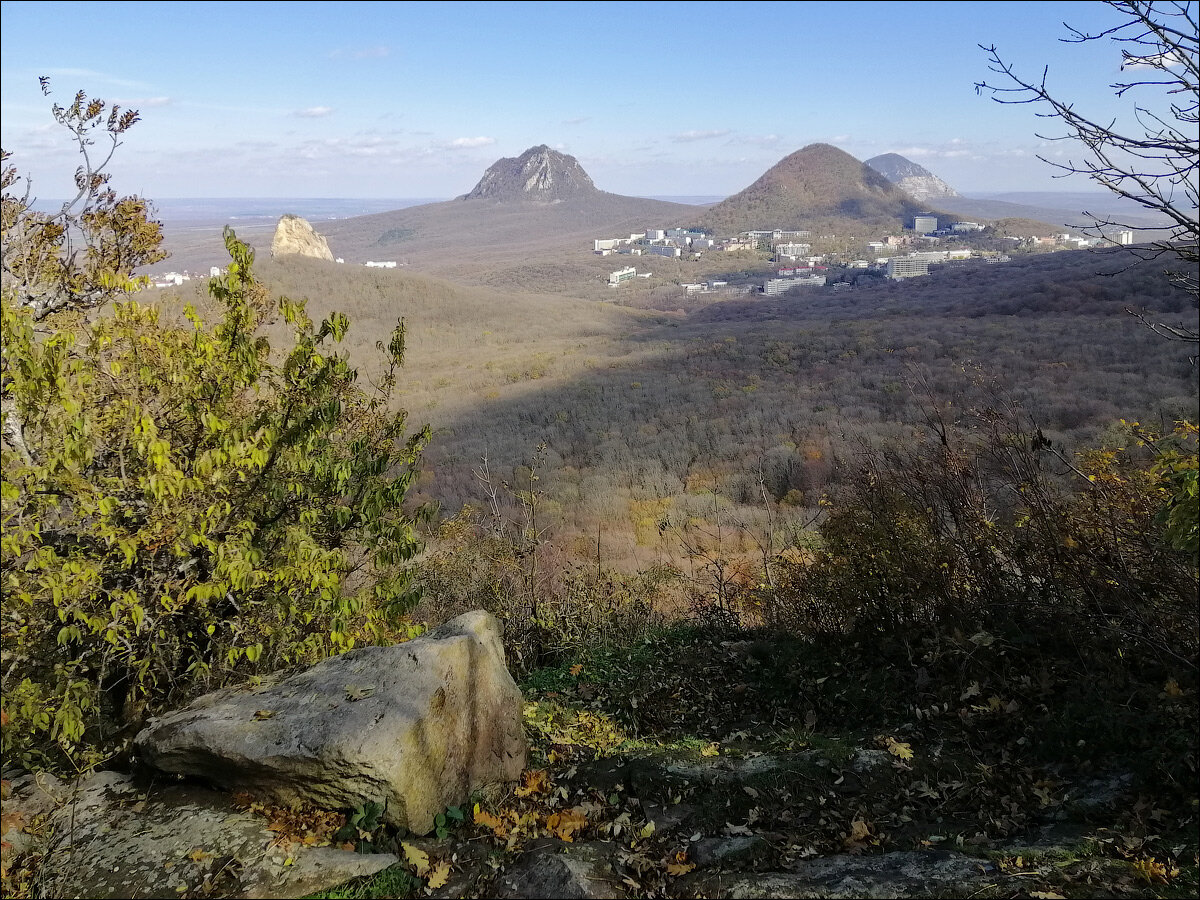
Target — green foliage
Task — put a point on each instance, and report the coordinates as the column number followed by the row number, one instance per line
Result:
column 1176, row 469
column 189, row 509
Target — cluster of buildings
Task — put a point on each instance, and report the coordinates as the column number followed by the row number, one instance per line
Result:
column 669, row 242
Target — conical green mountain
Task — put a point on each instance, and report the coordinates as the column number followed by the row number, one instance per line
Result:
column 819, row 186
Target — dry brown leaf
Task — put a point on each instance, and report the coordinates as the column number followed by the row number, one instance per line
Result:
column 577, row 668
column 263, row 714
column 487, row 820
column 564, row 824
column 533, row 781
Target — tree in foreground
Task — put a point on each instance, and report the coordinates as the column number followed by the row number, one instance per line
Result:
column 182, row 504
column 1151, row 155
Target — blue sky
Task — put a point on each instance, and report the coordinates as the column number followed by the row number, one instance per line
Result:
column 417, row 99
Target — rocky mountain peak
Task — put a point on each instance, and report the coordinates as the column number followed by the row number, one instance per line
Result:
column 913, row 179
column 539, row 173
column 294, row 236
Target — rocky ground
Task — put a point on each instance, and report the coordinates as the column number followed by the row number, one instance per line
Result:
column 707, row 763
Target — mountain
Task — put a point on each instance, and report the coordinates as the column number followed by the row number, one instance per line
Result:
column 537, row 174
column 818, row 186
column 914, row 180
column 528, row 224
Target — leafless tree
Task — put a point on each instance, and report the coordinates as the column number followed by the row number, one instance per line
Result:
column 1149, row 158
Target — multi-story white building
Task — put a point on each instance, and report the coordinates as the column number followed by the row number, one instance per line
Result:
column 906, row 267
column 780, row 285
column 622, row 275
column 925, row 224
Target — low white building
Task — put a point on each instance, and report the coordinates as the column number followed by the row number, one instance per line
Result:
column 387, row 264
column 621, row 275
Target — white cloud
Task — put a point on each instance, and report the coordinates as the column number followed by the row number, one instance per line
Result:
column 686, row 136
column 578, row 120
column 467, row 143
column 315, row 112
column 1157, row 61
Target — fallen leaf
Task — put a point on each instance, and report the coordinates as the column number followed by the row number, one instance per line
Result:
column 730, row 828
column 564, row 824
column 416, row 857
column 647, row 830
column 264, row 714
column 487, row 820
column 860, row 830
column 439, row 875
column 577, row 668
column 899, row 749
column 198, row 855
column 533, row 781
column 1171, row 688
column 680, row 865
column 710, row 750
column 354, row 693
column 1046, row 895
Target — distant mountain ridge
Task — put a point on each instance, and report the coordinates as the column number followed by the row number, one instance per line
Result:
column 818, row 186
column 915, row 180
column 539, row 173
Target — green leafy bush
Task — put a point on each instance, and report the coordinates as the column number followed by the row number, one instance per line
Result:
column 182, row 505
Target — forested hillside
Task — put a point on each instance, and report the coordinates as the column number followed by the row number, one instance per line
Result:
column 642, row 414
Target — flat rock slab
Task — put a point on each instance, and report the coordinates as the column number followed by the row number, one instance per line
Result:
column 113, row 838
column 900, row 875
column 558, row 871
column 415, row 727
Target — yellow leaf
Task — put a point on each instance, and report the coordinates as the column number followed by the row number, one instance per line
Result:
column 679, row 865
column 899, row 749
column 439, row 875
column 564, row 824
column 264, row 714
column 198, row 855
column 710, row 750
column 577, row 668
column 859, row 829
column 416, row 857
column 647, row 830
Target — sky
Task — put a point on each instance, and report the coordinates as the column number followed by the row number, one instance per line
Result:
column 406, row 100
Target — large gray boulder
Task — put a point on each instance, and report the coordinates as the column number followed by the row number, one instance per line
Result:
column 416, row 727
column 114, row 838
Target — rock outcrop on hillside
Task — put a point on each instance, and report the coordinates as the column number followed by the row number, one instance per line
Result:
column 415, row 727
column 537, row 174
column 294, row 236
column 913, row 179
